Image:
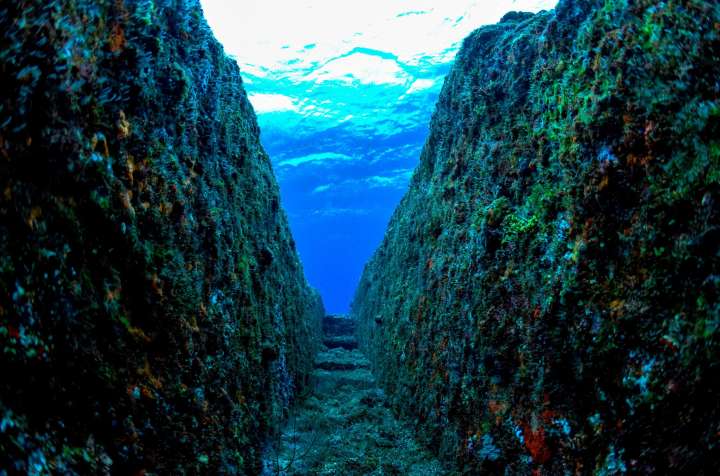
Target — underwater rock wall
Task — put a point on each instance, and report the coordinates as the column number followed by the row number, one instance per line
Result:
column 153, row 311
column 546, row 296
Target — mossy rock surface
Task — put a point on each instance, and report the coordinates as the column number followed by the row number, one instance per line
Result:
column 547, row 295
column 346, row 427
column 341, row 359
column 154, row 316
column 345, row 342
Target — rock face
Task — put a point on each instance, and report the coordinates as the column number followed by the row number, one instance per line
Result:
column 339, row 333
column 338, row 326
column 546, row 296
column 153, row 311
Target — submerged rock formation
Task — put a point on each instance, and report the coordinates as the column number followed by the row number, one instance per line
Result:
column 153, row 311
column 546, row 296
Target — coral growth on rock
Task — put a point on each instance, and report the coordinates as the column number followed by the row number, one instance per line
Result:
column 546, row 297
column 153, row 311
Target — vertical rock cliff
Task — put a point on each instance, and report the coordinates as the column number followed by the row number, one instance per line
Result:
column 546, row 296
column 153, row 311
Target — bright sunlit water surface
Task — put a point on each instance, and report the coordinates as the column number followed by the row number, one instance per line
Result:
column 344, row 92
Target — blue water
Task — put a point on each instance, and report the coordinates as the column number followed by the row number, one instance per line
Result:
column 344, row 93
column 339, row 209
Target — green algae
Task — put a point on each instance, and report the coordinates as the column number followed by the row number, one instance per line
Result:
column 545, row 298
column 137, row 214
column 345, row 425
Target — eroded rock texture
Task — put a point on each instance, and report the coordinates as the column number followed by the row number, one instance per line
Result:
column 546, row 297
column 153, row 311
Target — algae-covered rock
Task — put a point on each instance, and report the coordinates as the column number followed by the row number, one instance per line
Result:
column 153, row 311
column 546, row 296
column 345, row 426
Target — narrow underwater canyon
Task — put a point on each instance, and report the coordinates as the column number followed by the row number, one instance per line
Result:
column 545, row 300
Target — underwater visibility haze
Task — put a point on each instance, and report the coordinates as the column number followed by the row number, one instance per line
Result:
column 514, row 205
column 344, row 92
